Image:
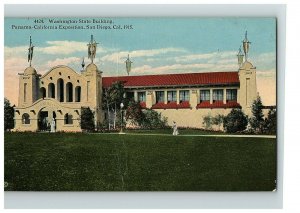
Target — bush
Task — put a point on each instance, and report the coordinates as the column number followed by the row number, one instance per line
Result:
column 87, row 122
column 208, row 121
column 134, row 113
column 153, row 120
column 8, row 115
column 235, row 121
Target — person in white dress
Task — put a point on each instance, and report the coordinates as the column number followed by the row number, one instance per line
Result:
column 52, row 129
column 175, row 129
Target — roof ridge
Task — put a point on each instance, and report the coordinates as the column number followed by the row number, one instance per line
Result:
column 193, row 73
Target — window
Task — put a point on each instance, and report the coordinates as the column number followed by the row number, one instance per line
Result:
column 25, row 92
column 87, row 90
column 25, row 118
column 130, row 95
column 69, row 92
column 204, row 95
column 160, row 96
column 184, row 95
column 51, row 90
column 172, row 96
column 42, row 92
column 218, row 95
column 77, row 94
column 60, row 90
column 68, row 119
column 231, row 94
column 141, row 96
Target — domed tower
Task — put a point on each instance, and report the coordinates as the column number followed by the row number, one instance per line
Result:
column 28, row 82
column 93, row 87
column 247, row 76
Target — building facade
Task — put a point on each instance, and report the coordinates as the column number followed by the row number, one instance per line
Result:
column 187, row 98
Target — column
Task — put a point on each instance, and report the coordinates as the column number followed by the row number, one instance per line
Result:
column 135, row 96
column 211, row 96
column 224, row 96
column 149, row 99
column 177, row 96
column 165, row 96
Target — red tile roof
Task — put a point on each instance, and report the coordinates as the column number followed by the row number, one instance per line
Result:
column 211, row 78
column 218, row 104
column 172, row 105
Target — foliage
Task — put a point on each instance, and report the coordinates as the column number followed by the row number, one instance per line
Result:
column 257, row 119
column 153, row 120
column 8, row 115
column 270, row 124
column 87, row 122
column 112, row 98
column 218, row 120
column 208, row 121
column 235, row 121
column 134, row 113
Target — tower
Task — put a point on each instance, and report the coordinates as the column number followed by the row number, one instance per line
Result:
column 93, row 84
column 28, row 82
column 247, row 76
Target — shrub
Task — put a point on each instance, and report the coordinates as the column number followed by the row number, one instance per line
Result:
column 87, row 122
column 8, row 115
column 153, row 120
column 207, row 121
column 235, row 121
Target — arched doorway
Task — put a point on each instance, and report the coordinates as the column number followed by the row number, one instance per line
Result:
column 43, row 120
column 45, row 117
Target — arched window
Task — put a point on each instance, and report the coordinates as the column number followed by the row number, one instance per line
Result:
column 69, row 92
column 51, row 90
column 60, row 90
column 68, row 118
column 25, row 118
column 77, row 94
column 42, row 92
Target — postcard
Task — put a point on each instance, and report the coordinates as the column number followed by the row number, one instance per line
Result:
column 140, row 104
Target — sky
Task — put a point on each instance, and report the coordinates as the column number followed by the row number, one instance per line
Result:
column 155, row 45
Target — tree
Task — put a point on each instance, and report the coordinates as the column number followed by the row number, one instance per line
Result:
column 134, row 113
column 8, row 115
column 112, row 98
column 270, row 124
column 235, row 121
column 87, row 119
column 257, row 119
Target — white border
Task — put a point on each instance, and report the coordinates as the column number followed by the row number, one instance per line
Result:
column 186, row 200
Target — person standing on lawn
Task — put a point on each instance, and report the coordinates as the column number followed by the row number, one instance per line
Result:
column 175, row 129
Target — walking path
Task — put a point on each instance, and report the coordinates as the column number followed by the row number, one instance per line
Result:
column 230, row 136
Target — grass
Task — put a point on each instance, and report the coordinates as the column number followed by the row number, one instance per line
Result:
column 111, row 162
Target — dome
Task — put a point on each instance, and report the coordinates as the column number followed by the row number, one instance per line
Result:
column 92, row 68
column 247, row 66
column 30, row 71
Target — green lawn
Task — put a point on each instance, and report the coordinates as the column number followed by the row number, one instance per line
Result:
column 112, row 162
